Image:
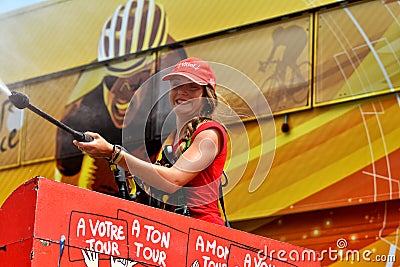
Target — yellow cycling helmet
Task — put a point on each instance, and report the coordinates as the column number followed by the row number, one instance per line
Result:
column 137, row 26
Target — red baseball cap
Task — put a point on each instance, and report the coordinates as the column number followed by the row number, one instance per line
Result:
column 195, row 69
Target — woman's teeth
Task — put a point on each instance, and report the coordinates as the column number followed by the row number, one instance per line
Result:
column 180, row 101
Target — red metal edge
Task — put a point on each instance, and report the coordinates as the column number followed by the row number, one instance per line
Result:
column 17, row 214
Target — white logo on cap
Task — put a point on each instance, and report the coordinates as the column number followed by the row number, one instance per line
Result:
column 192, row 65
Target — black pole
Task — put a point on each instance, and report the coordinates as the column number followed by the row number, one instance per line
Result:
column 21, row 101
column 121, row 183
column 79, row 136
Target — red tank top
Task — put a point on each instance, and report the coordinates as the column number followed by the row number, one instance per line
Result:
column 202, row 192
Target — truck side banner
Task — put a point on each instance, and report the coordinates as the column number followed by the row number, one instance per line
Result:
column 111, row 232
column 57, row 35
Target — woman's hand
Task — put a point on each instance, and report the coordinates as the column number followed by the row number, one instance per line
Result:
column 98, row 148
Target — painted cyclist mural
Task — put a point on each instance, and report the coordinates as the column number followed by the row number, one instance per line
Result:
column 101, row 97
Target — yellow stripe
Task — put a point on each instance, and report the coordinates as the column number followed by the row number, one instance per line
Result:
column 86, row 177
column 317, row 172
column 300, row 130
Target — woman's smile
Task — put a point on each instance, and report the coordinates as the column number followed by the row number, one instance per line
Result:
column 185, row 96
column 181, row 101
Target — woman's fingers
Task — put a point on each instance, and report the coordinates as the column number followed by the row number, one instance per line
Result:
column 98, row 148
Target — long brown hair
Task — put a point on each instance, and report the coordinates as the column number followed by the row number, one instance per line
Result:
column 205, row 115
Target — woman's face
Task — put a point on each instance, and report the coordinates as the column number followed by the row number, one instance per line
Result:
column 186, row 97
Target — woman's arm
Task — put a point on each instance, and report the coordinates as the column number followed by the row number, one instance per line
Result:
column 200, row 154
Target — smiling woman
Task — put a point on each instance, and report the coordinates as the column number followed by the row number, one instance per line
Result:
column 185, row 97
column 198, row 146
